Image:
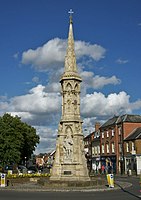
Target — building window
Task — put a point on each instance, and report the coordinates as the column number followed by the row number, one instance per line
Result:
column 113, row 132
column 102, row 134
column 98, row 134
column 127, row 147
column 93, row 151
column 120, row 147
column 107, row 148
column 113, row 148
column 98, row 149
column 133, row 146
column 107, row 133
column 102, row 148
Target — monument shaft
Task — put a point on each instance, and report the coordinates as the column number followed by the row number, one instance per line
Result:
column 70, row 162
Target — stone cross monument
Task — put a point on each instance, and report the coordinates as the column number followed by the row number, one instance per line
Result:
column 70, row 162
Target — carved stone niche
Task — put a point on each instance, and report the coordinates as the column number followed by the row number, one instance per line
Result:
column 68, row 87
column 68, row 144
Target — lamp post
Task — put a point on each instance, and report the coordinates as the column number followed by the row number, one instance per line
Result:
column 25, row 161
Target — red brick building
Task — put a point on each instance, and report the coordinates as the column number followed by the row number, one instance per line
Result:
column 88, row 149
column 112, row 135
column 132, row 152
column 95, row 145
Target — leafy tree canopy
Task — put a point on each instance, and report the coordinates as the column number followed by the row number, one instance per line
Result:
column 17, row 139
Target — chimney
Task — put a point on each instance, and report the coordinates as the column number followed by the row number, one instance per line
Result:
column 97, row 126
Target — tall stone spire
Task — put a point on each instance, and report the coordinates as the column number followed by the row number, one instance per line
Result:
column 70, row 59
column 70, row 162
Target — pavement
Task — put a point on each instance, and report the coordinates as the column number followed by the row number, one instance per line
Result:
column 34, row 186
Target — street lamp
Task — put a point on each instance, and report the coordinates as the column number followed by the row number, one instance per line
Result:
column 25, row 161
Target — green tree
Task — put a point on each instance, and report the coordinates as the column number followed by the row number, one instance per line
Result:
column 17, row 139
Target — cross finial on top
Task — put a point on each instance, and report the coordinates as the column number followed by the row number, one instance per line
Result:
column 70, row 12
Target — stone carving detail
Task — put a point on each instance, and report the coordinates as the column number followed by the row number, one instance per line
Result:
column 69, row 105
column 68, row 97
column 68, row 145
column 76, row 88
column 78, row 128
column 60, row 128
column 75, row 107
column 68, row 87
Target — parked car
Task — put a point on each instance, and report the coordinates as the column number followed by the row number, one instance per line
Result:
column 12, row 169
column 22, row 169
column 32, row 170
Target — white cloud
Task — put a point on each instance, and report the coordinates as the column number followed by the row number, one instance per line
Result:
column 53, row 87
column 3, row 105
column 136, row 105
column 97, row 82
column 25, row 116
column 36, row 79
column 37, row 101
column 42, row 110
column 121, row 61
column 49, row 55
column 47, row 139
column 3, row 98
column 88, row 125
column 98, row 105
column 52, row 54
column 94, row 51
column 37, row 107
column 16, row 55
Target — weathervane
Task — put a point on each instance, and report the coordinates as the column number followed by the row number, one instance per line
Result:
column 70, row 12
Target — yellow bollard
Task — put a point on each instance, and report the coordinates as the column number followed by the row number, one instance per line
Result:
column 3, row 180
column 110, row 180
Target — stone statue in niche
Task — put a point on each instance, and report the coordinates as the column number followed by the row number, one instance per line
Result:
column 69, row 105
column 68, row 144
column 75, row 106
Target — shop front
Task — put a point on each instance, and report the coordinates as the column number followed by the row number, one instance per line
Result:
column 131, row 165
column 96, row 165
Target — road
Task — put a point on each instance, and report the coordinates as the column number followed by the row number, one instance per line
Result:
column 132, row 193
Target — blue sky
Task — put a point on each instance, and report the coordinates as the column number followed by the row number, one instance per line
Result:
column 33, row 39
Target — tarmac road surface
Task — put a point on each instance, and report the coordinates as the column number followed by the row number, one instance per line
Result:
column 131, row 193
